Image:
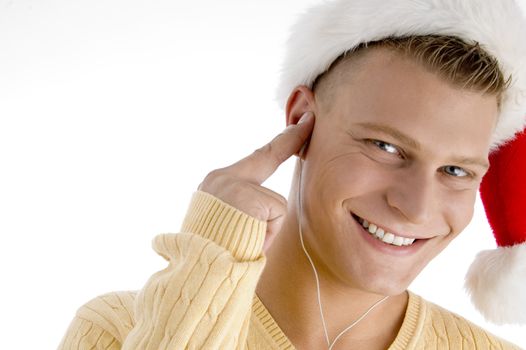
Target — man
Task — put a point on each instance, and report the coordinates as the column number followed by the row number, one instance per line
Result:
column 392, row 142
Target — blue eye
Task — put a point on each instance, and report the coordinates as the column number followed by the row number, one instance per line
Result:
column 384, row 146
column 455, row 171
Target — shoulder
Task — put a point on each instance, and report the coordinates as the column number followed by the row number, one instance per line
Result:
column 113, row 312
column 445, row 327
column 101, row 323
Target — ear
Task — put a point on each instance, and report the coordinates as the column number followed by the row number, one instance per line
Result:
column 300, row 100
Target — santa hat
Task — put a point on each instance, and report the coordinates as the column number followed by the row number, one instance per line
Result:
column 496, row 280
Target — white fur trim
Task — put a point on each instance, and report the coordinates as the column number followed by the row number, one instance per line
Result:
column 496, row 282
column 327, row 30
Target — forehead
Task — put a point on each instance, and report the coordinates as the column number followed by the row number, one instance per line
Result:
column 384, row 87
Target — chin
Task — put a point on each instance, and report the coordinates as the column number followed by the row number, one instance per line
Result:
column 384, row 286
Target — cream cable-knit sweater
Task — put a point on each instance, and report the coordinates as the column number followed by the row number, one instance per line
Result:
column 205, row 298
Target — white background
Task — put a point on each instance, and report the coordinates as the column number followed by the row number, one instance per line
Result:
column 111, row 113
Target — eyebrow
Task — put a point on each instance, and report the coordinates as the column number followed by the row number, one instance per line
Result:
column 409, row 141
column 397, row 134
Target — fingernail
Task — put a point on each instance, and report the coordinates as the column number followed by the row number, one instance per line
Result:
column 305, row 117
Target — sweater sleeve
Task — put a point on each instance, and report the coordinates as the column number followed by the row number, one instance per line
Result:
column 85, row 334
column 203, row 298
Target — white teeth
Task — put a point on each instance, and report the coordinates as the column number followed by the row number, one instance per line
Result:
column 398, row 241
column 386, row 237
column 408, row 241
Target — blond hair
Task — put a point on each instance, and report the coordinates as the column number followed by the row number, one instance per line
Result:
column 464, row 65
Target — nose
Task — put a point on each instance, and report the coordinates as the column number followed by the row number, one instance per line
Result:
column 413, row 195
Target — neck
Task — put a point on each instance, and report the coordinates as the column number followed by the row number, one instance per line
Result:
column 287, row 288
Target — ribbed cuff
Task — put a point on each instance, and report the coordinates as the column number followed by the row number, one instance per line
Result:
column 238, row 232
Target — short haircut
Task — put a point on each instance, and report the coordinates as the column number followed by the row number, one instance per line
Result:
column 467, row 66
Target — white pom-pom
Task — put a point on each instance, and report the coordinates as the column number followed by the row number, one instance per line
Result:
column 496, row 282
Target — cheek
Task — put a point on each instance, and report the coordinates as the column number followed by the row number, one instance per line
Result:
column 329, row 182
column 349, row 175
column 459, row 210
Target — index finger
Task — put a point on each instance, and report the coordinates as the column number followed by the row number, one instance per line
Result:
column 264, row 161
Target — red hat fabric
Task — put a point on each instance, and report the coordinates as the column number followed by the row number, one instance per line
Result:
column 496, row 280
column 503, row 192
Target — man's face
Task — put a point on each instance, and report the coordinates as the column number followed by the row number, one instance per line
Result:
column 398, row 147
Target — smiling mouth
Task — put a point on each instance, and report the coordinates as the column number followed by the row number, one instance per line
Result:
column 383, row 235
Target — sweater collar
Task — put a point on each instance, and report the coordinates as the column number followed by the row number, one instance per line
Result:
column 406, row 339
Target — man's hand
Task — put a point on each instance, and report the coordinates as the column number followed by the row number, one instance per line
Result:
column 240, row 183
